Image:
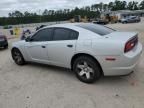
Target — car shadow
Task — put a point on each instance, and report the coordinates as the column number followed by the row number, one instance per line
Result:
column 51, row 68
column 104, row 80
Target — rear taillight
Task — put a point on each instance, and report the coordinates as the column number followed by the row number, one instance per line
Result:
column 131, row 44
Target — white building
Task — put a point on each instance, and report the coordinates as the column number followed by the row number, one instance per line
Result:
column 125, row 13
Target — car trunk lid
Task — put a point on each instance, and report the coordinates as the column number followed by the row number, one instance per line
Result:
column 129, row 39
column 121, row 36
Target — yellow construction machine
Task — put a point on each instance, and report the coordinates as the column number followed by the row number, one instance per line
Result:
column 78, row 18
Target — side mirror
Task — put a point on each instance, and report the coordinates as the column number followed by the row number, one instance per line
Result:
column 28, row 39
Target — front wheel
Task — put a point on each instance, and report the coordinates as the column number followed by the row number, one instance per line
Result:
column 17, row 57
column 86, row 69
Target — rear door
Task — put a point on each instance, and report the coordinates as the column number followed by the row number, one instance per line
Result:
column 62, row 47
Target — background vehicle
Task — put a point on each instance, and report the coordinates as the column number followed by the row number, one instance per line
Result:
column 131, row 19
column 3, row 41
column 101, row 22
column 90, row 50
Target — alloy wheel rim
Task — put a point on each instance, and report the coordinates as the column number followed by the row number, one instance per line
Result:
column 85, row 70
column 17, row 57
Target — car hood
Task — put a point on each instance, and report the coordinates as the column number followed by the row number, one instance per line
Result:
column 121, row 36
column 19, row 43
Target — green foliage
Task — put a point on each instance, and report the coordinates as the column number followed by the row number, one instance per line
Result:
column 118, row 5
column 133, row 5
column 141, row 5
column 48, row 15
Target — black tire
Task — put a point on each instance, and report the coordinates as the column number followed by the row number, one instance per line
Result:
column 137, row 21
column 6, row 47
column 92, row 65
column 17, row 57
column 124, row 22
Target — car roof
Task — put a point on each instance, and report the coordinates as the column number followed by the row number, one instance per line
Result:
column 58, row 25
column 88, row 28
column 67, row 25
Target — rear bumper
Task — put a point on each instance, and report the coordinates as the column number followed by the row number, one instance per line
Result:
column 116, row 71
column 123, row 64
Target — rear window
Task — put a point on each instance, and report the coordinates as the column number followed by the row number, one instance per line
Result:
column 99, row 29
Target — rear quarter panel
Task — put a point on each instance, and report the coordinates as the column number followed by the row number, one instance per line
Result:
column 105, row 46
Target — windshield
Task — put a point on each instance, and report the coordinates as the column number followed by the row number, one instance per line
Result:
column 98, row 29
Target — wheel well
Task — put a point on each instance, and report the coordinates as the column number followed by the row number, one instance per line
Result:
column 83, row 54
column 17, row 49
column 14, row 48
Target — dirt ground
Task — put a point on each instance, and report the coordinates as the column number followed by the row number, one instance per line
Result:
column 42, row 86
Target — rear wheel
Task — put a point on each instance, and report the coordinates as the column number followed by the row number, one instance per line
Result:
column 86, row 69
column 17, row 57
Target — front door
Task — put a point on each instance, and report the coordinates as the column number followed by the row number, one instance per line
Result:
column 37, row 51
column 37, row 47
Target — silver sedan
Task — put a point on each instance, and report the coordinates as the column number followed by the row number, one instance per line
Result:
column 90, row 50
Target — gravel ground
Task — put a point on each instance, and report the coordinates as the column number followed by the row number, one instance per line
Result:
column 42, row 86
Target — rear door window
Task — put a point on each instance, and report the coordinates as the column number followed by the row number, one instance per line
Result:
column 73, row 35
column 64, row 34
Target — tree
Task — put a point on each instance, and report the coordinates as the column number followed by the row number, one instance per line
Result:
column 111, row 5
column 27, row 14
column 45, row 12
column 133, row 5
column 105, row 7
column 124, row 5
column 141, row 6
column 17, row 14
column 118, row 5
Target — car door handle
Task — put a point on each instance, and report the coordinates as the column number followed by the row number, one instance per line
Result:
column 70, row 46
column 43, row 46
